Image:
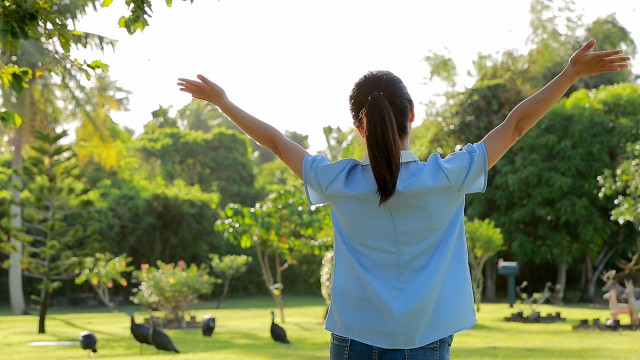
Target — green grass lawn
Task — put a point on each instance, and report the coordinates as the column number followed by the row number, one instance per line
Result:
column 242, row 332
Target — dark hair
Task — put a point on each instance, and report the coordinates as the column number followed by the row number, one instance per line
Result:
column 384, row 100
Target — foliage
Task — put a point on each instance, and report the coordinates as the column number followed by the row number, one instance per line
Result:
column 5, row 203
column 625, row 182
column 48, row 21
column 9, row 118
column 502, row 81
column 228, row 267
column 152, row 220
column 216, row 161
column 283, row 225
column 274, row 175
column 441, row 67
column 56, row 217
column 102, row 270
column 326, row 276
column 36, row 42
column 484, row 240
column 98, row 138
column 171, row 287
column 343, row 144
column 552, row 211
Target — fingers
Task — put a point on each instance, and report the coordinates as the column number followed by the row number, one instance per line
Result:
column 588, row 46
column 203, row 78
column 607, row 53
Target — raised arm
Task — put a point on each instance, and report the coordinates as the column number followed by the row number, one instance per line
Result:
column 526, row 114
column 266, row 135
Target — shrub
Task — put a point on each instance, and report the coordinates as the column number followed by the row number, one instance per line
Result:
column 171, row 288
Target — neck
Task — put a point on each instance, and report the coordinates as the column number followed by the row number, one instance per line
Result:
column 404, row 144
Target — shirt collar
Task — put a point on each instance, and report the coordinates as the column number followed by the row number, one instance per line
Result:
column 405, row 156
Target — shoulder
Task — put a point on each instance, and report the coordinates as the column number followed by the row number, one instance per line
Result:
column 318, row 173
column 466, row 166
column 321, row 162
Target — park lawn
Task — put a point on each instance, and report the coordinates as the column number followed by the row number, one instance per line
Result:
column 242, row 332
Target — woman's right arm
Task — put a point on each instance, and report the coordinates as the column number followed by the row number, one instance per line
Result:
column 266, row 135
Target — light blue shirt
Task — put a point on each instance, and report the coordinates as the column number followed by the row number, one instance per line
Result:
column 401, row 274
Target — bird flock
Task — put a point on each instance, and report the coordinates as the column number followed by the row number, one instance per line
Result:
column 153, row 335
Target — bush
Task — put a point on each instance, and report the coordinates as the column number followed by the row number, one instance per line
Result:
column 171, row 288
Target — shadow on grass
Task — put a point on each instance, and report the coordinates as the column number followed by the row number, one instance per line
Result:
column 250, row 345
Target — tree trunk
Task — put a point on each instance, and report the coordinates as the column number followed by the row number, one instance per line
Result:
column 587, row 275
column 224, row 292
column 490, row 276
column 278, row 298
column 561, row 283
column 267, row 276
column 44, row 306
column 591, row 274
column 16, row 292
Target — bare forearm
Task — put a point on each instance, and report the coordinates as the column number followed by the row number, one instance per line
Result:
column 266, row 135
column 258, row 130
column 526, row 114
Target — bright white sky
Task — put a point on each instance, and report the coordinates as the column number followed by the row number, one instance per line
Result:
column 292, row 63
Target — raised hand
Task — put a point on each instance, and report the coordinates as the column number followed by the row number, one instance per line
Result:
column 203, row 89
column 584, row 63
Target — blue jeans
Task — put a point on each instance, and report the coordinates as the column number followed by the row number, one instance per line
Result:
column 343, row 348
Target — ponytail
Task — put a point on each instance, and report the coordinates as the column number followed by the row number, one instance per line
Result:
column 383, row 145
column 380, row 106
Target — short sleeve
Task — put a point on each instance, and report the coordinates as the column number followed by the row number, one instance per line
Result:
column 315, row 179
column 467, row 169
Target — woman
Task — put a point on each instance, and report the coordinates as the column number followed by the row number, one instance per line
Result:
column 401, row 285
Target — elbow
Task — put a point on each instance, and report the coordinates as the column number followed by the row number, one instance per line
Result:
column 517, row 134
column 517, row 130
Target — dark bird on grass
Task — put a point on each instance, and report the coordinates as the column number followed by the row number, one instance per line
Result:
column 277, row 332
column 208, row 325
column 160, row 339
column 88, row 341
column 140, row 332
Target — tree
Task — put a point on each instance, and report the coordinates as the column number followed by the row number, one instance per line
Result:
column 502, row 82
column 56, row 217
column 102, row 270
column 204, row 116
column 552, row 212
column 483, row 241
column 36, row 39
column 150, row 219
column 278, row 226
column 226, row 268
column 623, row 185
column 274, row 175
column 216, row 161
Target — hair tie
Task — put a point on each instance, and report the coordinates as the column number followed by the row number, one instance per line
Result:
column 374, row 94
